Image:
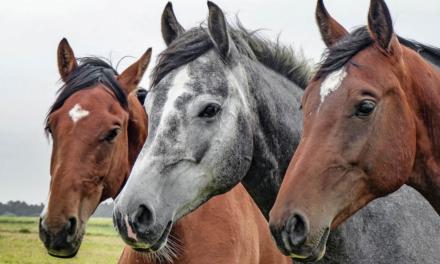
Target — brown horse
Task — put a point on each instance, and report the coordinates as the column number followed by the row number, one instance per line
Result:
column 371, row 125
column 90, row 162
column 98, row 127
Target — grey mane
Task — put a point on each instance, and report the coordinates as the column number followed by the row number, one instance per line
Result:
column 196, row 42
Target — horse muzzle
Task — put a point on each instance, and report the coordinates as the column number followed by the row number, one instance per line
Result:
column 140, row 229
column 294, row 239
column 65, row 242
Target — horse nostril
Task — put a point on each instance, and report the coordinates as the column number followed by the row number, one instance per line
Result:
column 143, row 218
column 297, row 228
column 71, row 226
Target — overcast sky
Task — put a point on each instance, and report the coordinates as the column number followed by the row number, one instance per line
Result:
column 31, row 31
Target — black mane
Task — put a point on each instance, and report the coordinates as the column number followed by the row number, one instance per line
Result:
column 195, row 42
column 339, row 54
column 90, row 72
column 336, row 56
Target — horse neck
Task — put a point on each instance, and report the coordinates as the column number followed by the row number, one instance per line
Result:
column 425, row 90
column 277, row 129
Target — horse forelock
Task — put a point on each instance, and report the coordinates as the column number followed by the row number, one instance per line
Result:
column 90, row 72
column 337, row 56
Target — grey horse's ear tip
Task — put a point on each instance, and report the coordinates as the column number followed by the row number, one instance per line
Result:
column 321, row 6
column 169, row 5
column 382, row 2
column 211, row 4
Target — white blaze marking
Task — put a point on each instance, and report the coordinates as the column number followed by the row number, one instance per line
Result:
column 332, row 83
column 130, row 232
column 177, row 89
column 77, row 113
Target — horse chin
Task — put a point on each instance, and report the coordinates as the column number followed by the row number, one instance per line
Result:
column 150, row 249
column 67, row 249
column 63, row 253
column 314, row 252
column 156, row 246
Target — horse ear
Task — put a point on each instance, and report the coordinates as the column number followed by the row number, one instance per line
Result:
column 171, row 29
column 380, row 25
column 66, row 59
column 331, row 30
column 132, row 76
column 218, row 29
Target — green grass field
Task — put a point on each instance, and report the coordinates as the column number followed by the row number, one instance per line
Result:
column 19, row 243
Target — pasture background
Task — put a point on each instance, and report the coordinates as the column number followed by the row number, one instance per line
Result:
column 20, row 244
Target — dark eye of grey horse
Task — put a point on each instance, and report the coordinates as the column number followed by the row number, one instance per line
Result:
column 365, row 108
column 210, row 111
column 111, row 135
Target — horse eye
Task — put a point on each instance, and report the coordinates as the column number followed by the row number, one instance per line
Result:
column 111, row 134
column 210, row 111
column 365, row 108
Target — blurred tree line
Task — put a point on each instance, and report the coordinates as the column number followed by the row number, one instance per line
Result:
column 20, row 208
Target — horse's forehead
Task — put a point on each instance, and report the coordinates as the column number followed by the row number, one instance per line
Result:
column 204, row 75
column 208, row 76
column 93, row 103
column 370, row 66
column 94, row 97
column 78, row 112
column 179, row 86
column 331, row 83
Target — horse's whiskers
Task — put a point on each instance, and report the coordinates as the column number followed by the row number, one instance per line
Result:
column 167, row 254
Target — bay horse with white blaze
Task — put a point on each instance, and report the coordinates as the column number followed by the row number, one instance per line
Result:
column 98, row 126
column 371, row 125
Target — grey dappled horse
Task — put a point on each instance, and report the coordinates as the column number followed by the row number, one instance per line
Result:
column 224, row 108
